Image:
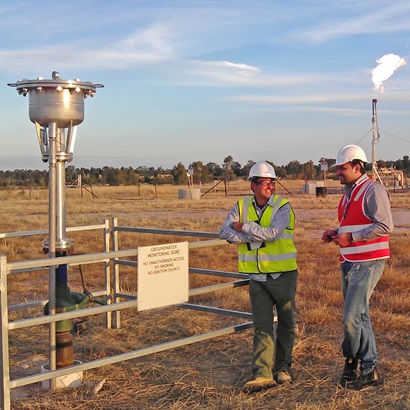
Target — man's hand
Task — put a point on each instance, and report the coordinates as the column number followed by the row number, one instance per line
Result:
column 329, row 235
column 238, row 226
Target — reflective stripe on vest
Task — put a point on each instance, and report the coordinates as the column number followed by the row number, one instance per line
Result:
column 353, row 218
column 365, row 248
column 266, row 256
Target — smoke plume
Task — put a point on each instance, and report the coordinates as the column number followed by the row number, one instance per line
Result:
column 387, row 65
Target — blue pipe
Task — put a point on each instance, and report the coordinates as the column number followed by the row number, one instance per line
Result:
column 61, row 272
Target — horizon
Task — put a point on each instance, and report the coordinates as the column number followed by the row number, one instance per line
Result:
column 134, row 166
column 186, row 80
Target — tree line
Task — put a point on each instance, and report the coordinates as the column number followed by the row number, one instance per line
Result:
column 197, row 173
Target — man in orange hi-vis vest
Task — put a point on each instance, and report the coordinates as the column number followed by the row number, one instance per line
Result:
column 365, row 222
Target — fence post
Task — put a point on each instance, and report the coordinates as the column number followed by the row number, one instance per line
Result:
column 115, row 246
column 107, row 272
column 4, row 334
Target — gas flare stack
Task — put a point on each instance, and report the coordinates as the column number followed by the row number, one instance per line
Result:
column 56, row 107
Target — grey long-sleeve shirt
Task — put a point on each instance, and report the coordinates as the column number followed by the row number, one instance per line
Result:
column 253, row 232
column 377, row 208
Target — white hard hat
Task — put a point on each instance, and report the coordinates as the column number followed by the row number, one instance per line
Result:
column 350, row 153
column 263, row 170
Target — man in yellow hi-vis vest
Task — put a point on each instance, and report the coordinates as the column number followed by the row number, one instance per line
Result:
column 263, row 225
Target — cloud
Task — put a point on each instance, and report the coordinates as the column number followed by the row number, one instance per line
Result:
column 155, row 39
column 367, row 18
column 228, row 64
column 300, row 98
column 230, row 74
column 72, row 58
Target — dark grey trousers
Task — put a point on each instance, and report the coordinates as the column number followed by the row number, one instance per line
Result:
column 276, row 293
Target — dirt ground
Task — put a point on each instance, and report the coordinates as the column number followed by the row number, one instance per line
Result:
column 210, row 374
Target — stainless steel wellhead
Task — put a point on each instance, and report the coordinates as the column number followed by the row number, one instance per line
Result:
column 56, row 107
column 56, row 102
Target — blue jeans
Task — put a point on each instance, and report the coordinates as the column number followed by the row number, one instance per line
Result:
column 358, row 282
column 265, row 296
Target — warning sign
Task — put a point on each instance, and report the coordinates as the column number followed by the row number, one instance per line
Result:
column 163, row 275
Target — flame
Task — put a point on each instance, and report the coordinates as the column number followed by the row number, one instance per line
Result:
column 388, row 64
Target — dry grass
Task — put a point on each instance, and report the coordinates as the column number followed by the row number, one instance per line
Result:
column 209, row 374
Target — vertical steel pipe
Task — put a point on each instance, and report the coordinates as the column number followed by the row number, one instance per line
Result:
column 52, row 178
column 60, row 188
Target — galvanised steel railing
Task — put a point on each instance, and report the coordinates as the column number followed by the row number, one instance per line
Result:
column 115, row 298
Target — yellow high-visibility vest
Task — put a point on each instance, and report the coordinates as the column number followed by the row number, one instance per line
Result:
column 274, row 256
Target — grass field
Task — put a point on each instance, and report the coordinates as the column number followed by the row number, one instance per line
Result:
column 209, row 374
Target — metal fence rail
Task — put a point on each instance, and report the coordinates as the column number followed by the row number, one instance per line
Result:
column 112, row 256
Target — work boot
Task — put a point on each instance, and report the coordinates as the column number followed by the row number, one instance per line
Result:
column 258, row 384
column 370, row 379
column 350, row 372
column 283, row 377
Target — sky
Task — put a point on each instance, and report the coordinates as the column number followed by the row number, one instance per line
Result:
column 188, row 80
